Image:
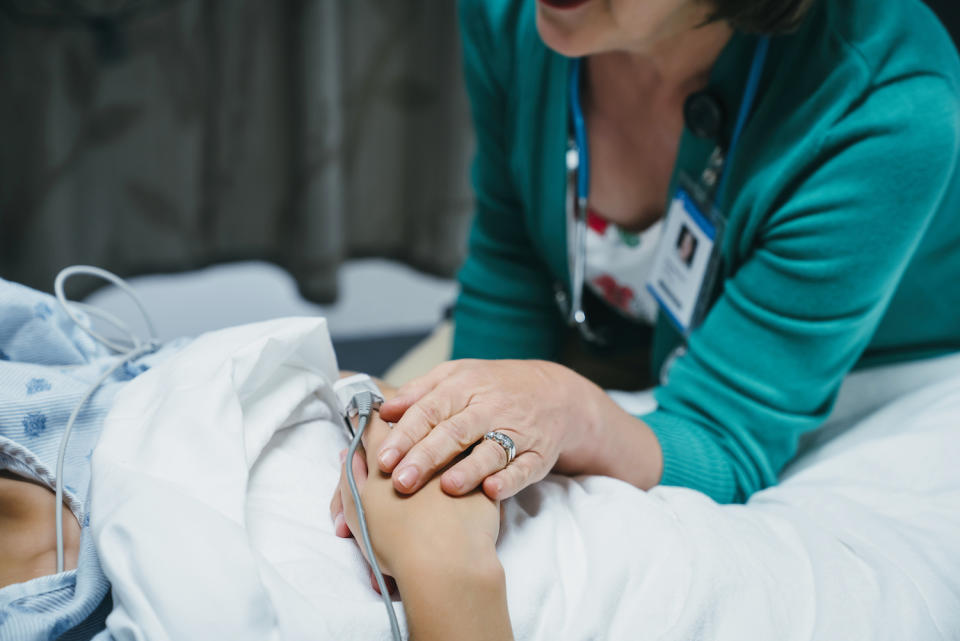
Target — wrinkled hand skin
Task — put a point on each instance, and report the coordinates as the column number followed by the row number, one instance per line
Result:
column 547, row 409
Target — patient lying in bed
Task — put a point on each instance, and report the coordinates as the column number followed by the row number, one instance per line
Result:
column 45, row 368
column 208, row 511
column 825, row 555
column 415, row 539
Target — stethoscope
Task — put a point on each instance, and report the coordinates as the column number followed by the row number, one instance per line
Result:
column 703, row 114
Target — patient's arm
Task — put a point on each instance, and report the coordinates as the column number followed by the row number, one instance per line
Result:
column 440, row 549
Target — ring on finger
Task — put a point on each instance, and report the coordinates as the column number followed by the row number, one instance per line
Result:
column 505, row 442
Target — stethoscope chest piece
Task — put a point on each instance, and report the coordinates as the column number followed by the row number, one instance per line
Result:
column 704, row 115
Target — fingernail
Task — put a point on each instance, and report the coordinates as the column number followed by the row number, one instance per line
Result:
column 338, row 521
column 343, row 456
column 407, row 477
column 389, row 457
column 455, row 479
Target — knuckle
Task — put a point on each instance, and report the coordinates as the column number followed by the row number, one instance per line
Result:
column 484, row 462
column 524, row 472
column 514, row 476
column 400, row 440
column 458, row 431
column 431, row 454
column 448, row 367
column 533, row 468
column 409, row 430
column 471, row 470
column 430, row 412
column 475, row 467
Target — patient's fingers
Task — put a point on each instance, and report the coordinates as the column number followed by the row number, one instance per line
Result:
column 360, row 467
column 340, row 527
column 522, row 471
column 440, row 446
column 445, row 401
column 387, row 579
column 336, row 507
column 412, row 391
column 486, row 458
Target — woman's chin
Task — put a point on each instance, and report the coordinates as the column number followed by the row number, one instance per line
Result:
column 562, row 31
column 564, row 4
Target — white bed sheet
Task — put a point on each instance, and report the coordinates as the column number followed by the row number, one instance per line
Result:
column 214, row 471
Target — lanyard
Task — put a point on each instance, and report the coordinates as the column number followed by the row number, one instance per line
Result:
column 580, row 125
column 578, row 167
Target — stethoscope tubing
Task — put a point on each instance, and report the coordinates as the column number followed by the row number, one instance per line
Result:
column 581, row 150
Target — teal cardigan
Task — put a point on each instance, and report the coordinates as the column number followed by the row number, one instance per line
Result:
column 843, row 236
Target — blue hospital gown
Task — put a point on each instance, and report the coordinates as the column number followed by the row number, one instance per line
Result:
column 46, row 365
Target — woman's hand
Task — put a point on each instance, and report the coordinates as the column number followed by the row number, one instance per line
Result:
column 552, row 414
column 407, row 532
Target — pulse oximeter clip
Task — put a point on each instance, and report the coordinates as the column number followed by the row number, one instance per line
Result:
column 358, row 397
column 356, row 392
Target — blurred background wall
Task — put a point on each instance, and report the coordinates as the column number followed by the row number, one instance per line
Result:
column 166, row 135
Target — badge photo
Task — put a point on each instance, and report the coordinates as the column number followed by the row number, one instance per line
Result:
column 686, row 261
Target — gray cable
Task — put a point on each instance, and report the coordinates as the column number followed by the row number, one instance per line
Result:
column 364, row 402
column 61, row 455
column 131, row 352
column 58, row 286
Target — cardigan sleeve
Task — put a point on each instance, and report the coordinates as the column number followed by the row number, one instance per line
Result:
column 505, row 308
column 793, row 320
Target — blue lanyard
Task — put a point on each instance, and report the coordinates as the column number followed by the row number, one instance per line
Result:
column 580, row 126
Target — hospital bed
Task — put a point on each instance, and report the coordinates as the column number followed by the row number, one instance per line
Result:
column 861, row 540
column 213, row 470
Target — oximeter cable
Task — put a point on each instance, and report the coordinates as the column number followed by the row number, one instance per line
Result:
column 364, row 404
column 134, row 349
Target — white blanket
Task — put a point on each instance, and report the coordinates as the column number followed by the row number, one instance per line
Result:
column 214, row 471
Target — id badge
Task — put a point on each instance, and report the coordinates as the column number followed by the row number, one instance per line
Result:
column 687, row 260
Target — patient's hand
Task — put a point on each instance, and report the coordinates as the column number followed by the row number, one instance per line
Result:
column 429, row 527
column 439, row 548
column 340, row 527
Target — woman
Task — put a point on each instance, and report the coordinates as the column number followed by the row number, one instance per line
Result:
column 838, row 202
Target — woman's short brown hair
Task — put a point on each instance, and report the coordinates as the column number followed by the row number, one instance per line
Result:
column 762, row 16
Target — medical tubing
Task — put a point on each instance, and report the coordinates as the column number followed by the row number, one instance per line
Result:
column 364, row 402
column 119, row 282
column 129, row 352
column 61, row 454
